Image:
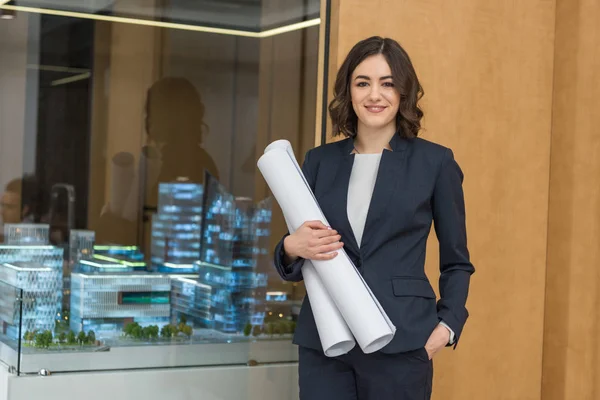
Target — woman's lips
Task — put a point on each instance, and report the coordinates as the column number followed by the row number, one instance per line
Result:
column 375, row 109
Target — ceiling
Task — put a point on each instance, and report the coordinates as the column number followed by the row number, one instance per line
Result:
column 246, row 15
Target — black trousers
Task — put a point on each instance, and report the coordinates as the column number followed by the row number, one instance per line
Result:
column 359, row 376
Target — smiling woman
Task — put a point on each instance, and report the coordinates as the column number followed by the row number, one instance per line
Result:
column 381, row 189
column 375, row 99
column 385, row 65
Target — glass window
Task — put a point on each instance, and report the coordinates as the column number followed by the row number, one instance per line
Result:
column 132, row 210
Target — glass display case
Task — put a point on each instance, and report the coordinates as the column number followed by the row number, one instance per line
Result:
column 136, row 231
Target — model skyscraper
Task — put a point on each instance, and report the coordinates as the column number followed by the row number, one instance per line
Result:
column 229, row 291
column 176, row 227
column 30, row 264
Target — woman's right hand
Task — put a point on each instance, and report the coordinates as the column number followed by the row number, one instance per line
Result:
column 312, row 241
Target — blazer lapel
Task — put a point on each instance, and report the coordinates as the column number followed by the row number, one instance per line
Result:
column 386, row 183
column 336, row 197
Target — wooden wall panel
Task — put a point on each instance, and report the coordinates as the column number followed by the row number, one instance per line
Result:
column 487, row 70
column 572, row 328
column 126, row 64
column 98, row 195
column 14, row 42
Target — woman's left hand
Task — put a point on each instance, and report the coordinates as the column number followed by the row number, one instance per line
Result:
column 438, row 339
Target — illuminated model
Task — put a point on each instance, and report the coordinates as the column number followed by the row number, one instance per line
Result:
column 81, row 247
column 106, row 302
column 229, row 293
column 112, row 259
column 27, row 234
column 29, row 263
column 205, row 263
column 177, row 227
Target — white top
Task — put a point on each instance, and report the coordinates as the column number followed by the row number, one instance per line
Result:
column 360, row 191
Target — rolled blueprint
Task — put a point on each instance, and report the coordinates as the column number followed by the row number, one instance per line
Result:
column 344, row 287
column 336, row 338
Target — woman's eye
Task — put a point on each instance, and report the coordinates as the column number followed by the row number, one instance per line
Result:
column 362, row 84
column 388, row 84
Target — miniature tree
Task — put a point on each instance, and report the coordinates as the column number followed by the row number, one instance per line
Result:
column 48, row 338
column 39, row 340
column 247, row 329
column 276, row 329
column 130, row 328
column 29, row 336
column 137, row 331
column 145, row 332
column 43, row 340
column 71, row 338
column 62, row 338
column 81, row 338
column 187, row 330
column 166, row 331
column 256, row 330
column 181, row 327
column 91, row 337
column 270, row 329
column 284, row 327
column 151, row 332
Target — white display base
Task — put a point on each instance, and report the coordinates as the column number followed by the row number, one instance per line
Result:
column 154, row 356
column 4, row 382
column 271, row 382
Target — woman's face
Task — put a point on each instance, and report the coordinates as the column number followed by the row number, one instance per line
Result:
column 374, row 98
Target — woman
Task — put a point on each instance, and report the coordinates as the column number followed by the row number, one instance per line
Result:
column 381, row 189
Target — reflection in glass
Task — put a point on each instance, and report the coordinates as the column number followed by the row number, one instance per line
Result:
column 176, row 227
column 132, row 213
column 103, row 302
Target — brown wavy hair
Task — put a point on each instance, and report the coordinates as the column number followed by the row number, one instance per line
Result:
column 408, row 119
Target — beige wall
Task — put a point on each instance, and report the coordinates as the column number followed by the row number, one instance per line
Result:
column 487, row 70
column 572, row 327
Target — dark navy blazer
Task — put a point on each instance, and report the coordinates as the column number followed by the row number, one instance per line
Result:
column 418, row 183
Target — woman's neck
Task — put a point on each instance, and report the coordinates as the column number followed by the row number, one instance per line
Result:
column 369, row 140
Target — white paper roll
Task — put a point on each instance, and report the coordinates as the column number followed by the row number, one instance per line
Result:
column 336, row 338
column 339, row 278
column 335, row 335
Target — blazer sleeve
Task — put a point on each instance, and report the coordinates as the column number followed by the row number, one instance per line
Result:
column 293, row 271
column 450, row 227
